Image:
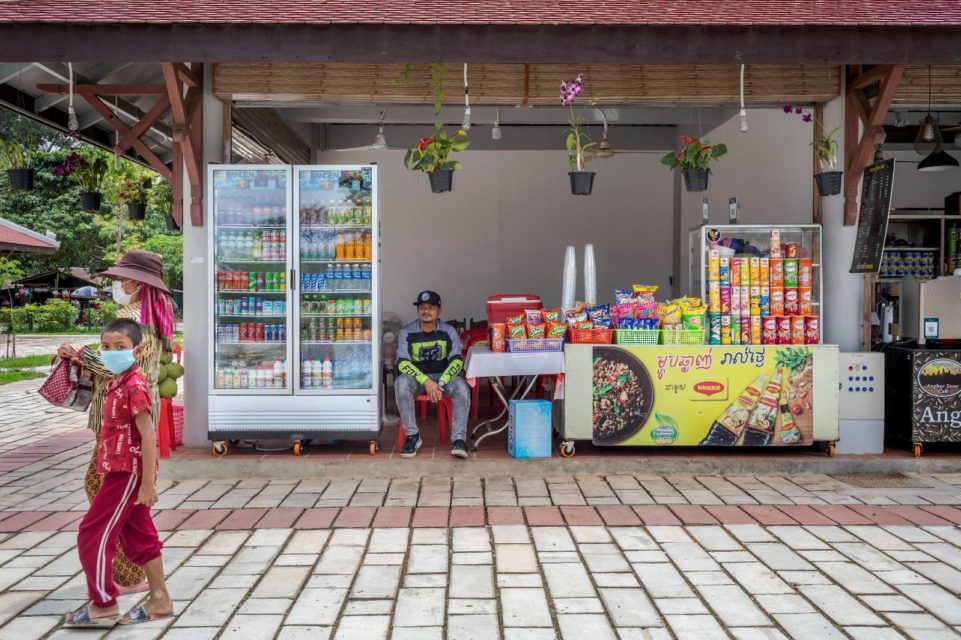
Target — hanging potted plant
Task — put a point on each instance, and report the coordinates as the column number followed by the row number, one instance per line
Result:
column 577, row 140
column 136, row 193
column 432, row 153
column 828, row 179
column 89, row 175
column 18, row 159
column 693, row 160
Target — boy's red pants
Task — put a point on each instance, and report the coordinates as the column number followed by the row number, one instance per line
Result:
column 113, row 517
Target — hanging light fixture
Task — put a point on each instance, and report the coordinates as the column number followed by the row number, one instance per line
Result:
column 496, row 131
column 742, row 115
column 604, row 148
column 72, row 123
column 465, row 125
column 928, row 139
column 939, row 160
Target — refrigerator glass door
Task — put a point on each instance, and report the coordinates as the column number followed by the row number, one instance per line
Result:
column 249, row 247
column 335, row 295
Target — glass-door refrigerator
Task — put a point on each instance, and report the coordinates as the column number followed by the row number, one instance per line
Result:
column 294, row 331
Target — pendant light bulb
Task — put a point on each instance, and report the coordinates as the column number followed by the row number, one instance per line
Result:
column 465, row 125
column 72, row 123
column 742, row 125
column 496, row 131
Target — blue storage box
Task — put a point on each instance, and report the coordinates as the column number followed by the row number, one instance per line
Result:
column 529, row 430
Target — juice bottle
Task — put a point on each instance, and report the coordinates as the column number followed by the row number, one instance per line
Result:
column 350, row 248
column 340, row 247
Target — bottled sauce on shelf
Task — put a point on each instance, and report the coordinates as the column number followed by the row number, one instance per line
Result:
column 239, row 374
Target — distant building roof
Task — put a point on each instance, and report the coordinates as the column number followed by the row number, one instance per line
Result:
column 19, row 239
column 490, row 12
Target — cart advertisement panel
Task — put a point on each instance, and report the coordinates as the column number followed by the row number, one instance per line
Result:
column 702, row 396
column 936, row 409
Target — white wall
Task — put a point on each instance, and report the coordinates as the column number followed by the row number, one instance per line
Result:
column 505, row 226
column 912, row 188
column 768, row 168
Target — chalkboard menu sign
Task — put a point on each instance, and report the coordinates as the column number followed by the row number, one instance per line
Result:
column 873, row 217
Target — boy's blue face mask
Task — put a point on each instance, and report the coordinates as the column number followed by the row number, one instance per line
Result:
column 117, row 361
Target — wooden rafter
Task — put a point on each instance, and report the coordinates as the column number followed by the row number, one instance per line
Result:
column 180, row 94
column 859, row 110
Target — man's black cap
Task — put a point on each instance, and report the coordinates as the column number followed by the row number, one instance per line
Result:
column 428, row 297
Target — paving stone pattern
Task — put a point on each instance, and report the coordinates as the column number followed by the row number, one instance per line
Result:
column 624, row 557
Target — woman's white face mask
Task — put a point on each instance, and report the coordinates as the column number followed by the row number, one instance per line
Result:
column 120, row 296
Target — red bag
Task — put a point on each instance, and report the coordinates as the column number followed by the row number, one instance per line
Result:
column 69, row 385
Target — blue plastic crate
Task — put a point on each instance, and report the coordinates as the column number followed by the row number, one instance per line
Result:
column 529, row 430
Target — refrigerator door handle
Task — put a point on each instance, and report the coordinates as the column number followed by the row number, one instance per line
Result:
column 293, row 279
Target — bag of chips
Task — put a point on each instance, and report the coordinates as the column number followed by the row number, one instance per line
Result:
column 621, row 295
column 573, row 317
column 536, row 331
column 644, row 291
column 693, row 317
column 513, row 321
column 516, row 331
column 556, row 330
column 671, row 314
column 584, row 324
column 552, row 315
column 600, row 314
column 533, row 316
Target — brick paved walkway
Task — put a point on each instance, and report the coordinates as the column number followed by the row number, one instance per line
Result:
column 619, row 557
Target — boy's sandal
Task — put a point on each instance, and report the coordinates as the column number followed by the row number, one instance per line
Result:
column 82, row 619
column 140, row 614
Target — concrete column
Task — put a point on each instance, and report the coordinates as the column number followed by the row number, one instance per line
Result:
column 197, row 280
column 842, row 296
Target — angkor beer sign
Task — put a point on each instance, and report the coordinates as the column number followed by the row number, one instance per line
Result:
column 937, row 396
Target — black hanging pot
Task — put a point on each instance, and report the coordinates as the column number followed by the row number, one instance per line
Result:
column 829, row 182
column 695, row 179
column 581, row 182
column 136, row 210
column 21, row 179
column 441, row 180
column 90, row 200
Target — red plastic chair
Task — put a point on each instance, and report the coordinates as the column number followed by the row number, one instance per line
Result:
column 467, row 339
column 445, row 417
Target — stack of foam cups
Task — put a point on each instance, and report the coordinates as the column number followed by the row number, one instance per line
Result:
column 590, row 276
column 570, row 279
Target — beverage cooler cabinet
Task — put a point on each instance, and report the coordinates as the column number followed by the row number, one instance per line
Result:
column 294, row 335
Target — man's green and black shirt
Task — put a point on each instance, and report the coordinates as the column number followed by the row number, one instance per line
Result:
column 423, row 354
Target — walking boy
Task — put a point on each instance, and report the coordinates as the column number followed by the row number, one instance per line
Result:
column 120, row 512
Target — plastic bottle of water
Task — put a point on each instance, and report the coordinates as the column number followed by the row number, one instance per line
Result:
column 366, row 277
column 306, row 374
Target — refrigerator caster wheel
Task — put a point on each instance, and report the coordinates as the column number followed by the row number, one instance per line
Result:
column 297, row 448
column 567, row 450
column 219, row 449
column 373, row 447
column 917, row 449
column 831, row 447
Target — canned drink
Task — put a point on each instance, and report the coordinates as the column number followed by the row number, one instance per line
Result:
column 776, row 272
column 736, row 301
column 367, row 307
column 777, row 301
column 281, row 281
column 221, row 307
column 243, row 332
column 713, row 265
column 784, row 330
column 268, row 333
column 790, row 272
column 259, row 306
column 725, row 329
column 805, row 272
column 725, row 299
column 805, row 301
column 221, row 333
column 754, row 269
column 283, row 333
column 755, row 300
column 714, row 296
column 797, row 329
column 221, row 279
column 259, row 329
column 792, row 302
column 812, row 330
column 735, row 330
column 756, row 329
column 714, row 324
column 269, row 306
column 252, row 281
column 765, row 271
column 790, row 250
column 768, row 330
column 765, row 300
column 724, row 270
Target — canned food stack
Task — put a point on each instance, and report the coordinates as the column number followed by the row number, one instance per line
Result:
column 762, row 299
column 897, row 262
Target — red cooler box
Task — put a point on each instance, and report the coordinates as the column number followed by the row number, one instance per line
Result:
column 510, row 304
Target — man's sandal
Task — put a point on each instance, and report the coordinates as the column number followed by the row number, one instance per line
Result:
column 140, row 614
column 83, row 619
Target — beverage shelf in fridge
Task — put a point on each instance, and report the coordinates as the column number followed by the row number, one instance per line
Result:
column 249, row 261
column 335, row 315
column 251, row 227
column 254, row 344
column 247, row 292
column 337, row 227
column 248, row 316
column 335, row 342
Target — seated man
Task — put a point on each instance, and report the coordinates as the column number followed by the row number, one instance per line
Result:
column 428, row 361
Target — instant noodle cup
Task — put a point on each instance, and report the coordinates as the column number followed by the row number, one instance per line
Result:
column 756, row 329
column 735, row 301
column 777, row 301
column 812, row 333
column 792, row 302
column 768, row 330
column 536, row 331
column 735, row 330
column 714, row 323
column 784, row 330
column 765, row 272
column 714, row 296
column 713, row 265
column 516, row 331
column 725, row 329
column 805, row 272
column 797, row 329
column 755, row 299
column 724, row 270
column 552, row 315
column 790, row 250
column 498, row 336
column 516, row 320
column 805, row 301
column 777, row 272
column 725, row 299
column 790, row 272
column 775, row 243
column 735, row 272
column 556, row 330
column 754, row 269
